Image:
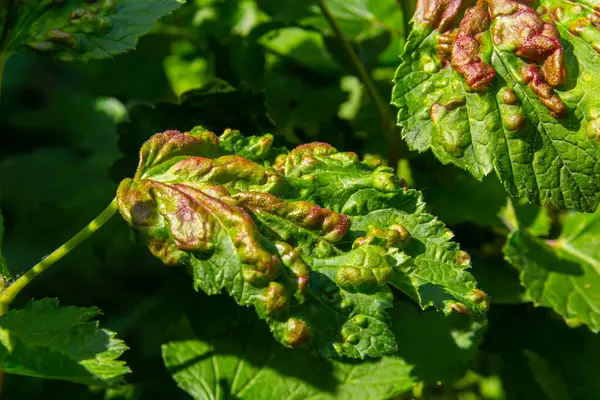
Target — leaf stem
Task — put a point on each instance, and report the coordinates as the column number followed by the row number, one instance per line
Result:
column 13, row 290
column 387, row 121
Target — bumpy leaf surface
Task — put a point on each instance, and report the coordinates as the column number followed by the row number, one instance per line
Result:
column 509, row 87
column 78, row 29
column 562, row 274
column 52, row 342
column 310, row 238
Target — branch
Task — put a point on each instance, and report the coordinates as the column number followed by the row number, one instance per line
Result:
column 389, row 125
column 13, row 290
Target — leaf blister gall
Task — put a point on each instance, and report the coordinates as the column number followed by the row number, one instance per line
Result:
column 274, row 239
column 496, row 85
column 466, row 58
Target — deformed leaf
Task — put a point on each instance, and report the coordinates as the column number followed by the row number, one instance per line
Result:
column 79, row 29
column 52, row 342
column 509, row 88
column 310, row 238
column 562, row 274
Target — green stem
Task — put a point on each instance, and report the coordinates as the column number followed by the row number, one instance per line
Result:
column 13, row 290
column 389, row 125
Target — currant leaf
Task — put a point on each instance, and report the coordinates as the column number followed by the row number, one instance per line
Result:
column 510, row 89
column 311, row 238
column 52, row 342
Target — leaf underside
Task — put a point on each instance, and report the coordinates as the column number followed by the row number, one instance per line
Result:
column 509, row 89
column 47, row 341
column 311, row 238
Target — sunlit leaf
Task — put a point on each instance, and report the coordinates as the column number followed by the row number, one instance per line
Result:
column 510, row 89
column 309, row 238
column 52, row 342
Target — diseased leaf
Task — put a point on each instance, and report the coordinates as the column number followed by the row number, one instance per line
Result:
column 52, row 342
column 509, row 89
column 562, row 274
column 78, row 29
column 310, row 238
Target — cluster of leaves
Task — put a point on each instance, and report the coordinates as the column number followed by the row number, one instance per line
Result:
column 331, row 249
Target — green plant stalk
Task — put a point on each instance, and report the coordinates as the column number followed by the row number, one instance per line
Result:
column 389, row 125
column 13, row 290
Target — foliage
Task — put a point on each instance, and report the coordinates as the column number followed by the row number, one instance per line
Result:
column 509, row 89
column 310, row 238
column 279, row 239
column 561, row 273
column 69, row 30
column 48, row 341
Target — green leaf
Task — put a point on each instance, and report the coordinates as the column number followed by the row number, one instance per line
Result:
column 489, row 93
column 52, row 342
column 310, row 238
column 77, row 29
column 184, row 70
column 375, row 27
column 305, row 46
column 519, row 213
column 257, row 367
column 209, row 358
column 562, row 274
column 358, row 19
